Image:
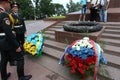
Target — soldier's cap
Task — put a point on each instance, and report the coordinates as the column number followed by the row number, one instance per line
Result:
column 7, row 0
column 14, row 4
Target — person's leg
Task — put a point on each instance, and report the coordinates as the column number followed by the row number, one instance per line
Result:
column 105, row 16
column 80, row 17
column 101, row 15
column 84, row 14
column 20, row 70
column 92, row 13
column 4, row 61
column 20, row 67
column 95, row 15
column 81, row 14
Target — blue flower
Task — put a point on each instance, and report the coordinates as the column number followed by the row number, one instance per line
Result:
column 83, row 56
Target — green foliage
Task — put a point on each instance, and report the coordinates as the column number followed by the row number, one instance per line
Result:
column 72, row 7
column 101, row 43
column 39, row 9
column 57, row 17
column 26, row 8
column 46, row 8
column 59, row 9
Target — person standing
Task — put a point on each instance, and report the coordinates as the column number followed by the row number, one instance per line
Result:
column 19, row 25
column 93, row 9
column 103, row 10
column 9, row 47
column 83, row 4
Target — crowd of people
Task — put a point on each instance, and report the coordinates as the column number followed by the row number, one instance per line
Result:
column 94, row 6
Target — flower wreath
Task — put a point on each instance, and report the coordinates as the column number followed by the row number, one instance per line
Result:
column 33, row 43
column 83, row 56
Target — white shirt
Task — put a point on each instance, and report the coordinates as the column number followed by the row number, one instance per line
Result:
column 88, row 0
column 103, row 2
column 94, row 2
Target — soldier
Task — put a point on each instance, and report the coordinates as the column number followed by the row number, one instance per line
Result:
column 19, row 25
column 9, row 47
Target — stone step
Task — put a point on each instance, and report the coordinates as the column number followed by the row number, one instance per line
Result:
column 113, row 73
column 52, row 52
column 112, row 27
column 57, row 54
column 112, row 60
column 55, row 45
column 49, row 32
column 112, row 31
column 49, row 36
column 111, row 24
column 113, row 42
column 111, row 36
column 113, row 50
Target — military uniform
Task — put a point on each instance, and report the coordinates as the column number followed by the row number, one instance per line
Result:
column 8, row 46
column 19, row 25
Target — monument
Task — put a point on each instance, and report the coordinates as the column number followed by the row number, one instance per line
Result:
column 77, row 30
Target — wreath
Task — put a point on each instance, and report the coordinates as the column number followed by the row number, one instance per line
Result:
column 33, row 44
column 83, row 56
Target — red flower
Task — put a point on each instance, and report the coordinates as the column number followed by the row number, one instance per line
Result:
column 81, row 71
column 74, row 66
column 80, row 65
column 73, row 71
column 86, row 67
column 69, row 57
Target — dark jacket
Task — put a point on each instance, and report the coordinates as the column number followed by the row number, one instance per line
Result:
column 19, row 21
column 8, row 41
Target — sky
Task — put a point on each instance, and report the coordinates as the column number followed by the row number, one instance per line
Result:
column 64, row 2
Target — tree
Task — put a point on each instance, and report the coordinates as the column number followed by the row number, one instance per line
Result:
column 46, row 8
column 72, row 7
column 26, row 8
column 59, row 9
column 36, row 9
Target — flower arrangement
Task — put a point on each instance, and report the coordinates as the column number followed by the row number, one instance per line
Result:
column 83, row 56
column 33, row 43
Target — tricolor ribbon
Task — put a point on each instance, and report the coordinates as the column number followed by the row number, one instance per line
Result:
column 96, row 63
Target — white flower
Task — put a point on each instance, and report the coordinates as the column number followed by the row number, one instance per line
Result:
column 78, row 48
column 86, row 38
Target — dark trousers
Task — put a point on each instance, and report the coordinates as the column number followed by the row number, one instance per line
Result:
column 20, row 38
column 93, row 14
column 8, row 56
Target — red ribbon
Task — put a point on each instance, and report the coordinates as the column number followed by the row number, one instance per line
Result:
column 96, row 63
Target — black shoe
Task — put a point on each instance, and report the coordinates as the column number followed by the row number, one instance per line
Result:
column 27, row 77
column 8, row 75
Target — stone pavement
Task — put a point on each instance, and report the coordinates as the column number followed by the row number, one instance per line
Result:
column 35, row 26
column 38, row 71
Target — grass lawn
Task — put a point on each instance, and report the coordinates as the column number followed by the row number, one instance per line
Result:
column 57, row 17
